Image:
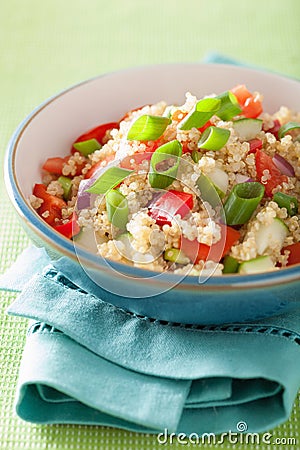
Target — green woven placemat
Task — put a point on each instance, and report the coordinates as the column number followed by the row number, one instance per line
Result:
column 48, row 45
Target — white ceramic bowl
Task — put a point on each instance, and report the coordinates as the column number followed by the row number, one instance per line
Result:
column 50, row 130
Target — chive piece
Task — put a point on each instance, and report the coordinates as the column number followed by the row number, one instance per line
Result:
column 108, row 180
column 287, row 127
column 214, row 138
column 229, row 106
column 175, row 255
column 117, row 209
column 231, row 265
column 148, row 128
column 242, row 202
column 286, row 201
column 66, row 184
column 164, row 164
column 196, row 156
column 203, row 111
column 87, row 147
column 208, row 191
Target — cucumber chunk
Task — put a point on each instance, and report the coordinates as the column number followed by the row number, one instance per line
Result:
column 247, row 129
column 256, row 265
column 269, row 235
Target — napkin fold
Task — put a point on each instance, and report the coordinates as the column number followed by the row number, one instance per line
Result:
column 88, row 362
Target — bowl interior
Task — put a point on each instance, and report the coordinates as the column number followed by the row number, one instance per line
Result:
column 53, row 127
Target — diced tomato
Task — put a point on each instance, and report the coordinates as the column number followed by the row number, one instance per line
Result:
column 241, row 93
column 98, row 165
column 97, row 133
column 208, row 124
column 294, row 256
column 197, row 251
column 255, row 144
column 51, row 204
column 250, row 104
column 54, row 165
column 265, row 162
column 252, row 107
column 169, row 204
column 275, row 128
column 70, row 228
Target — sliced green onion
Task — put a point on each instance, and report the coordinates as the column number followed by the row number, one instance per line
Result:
column 286, row 201
column 231, row 265
column 87, row 147
column 286, row 128
column 66, row 184
column 204, row 110
column 175, row 255
column 196, row 156
column 242, row 202
column 148, row 128
column 208, row 191
column 117, row 209
column 164, row 164
column 214, row 138
column 108, row 180
column 229, row 106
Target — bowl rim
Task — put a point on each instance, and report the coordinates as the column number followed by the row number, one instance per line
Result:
column 66, row 247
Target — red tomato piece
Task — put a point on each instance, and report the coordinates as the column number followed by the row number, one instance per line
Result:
column 294, row 256
column 241, row 93
column 250, row 104
column 265, row 162
column 274, row 130
column 70, row 228
column 255, row 144
column 54, row 165
column 252, row 107
column 208, row 124
column 97, row 133
column 98, row 165
column 197, row 251
column 169, row 204
column 51, row 203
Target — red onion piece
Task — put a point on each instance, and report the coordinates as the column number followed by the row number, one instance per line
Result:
column 239, row 178
column 84, row 197
column 284, row 166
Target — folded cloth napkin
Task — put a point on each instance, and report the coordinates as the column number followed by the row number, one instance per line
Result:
column 88, row 362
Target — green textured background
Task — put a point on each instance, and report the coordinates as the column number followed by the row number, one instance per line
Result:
column 46, row 46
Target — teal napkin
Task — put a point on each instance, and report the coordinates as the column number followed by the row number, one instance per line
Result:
column 88, row 362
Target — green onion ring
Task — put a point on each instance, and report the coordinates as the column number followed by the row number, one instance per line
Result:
column 203, row 111
column 117, row 209
column 148, row 128
column 87, row 147
column 170, row 151
column 214, row 138
column 108, row 180
column 242, row 202
column 284, row 129
column 286, row 201
column 229, row 106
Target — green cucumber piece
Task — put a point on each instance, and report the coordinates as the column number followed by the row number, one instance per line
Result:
column 256, row 265
column 231, row 265
column 247, row 129
column 66, row 184
column 267, row 235
column 175, row 255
